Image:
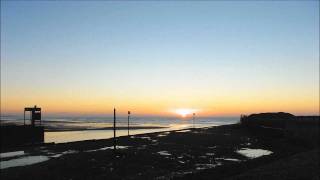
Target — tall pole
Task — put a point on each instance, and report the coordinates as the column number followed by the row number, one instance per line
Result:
column 114, row 128
column 31, row 118
column 128, row 121
column 24, row 117
column 193, row 119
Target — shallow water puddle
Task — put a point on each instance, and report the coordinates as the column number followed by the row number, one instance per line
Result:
column 23, row 161
column 187, row 130
column 148, row 138
column 162, row 135
column 232, row 159
column 206, row 166
column 228, row 159
column 108, row 147
column 29, row 160
column 253, row 153
column 164, row 153
column 11, row 154
column 64, row 153
column 45, row 151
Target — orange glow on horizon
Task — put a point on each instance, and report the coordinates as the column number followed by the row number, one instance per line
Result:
column 164, row 105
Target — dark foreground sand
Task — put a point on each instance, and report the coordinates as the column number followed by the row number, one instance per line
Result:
column 208, row 153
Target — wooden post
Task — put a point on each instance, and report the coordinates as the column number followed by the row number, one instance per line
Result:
column 128, row 121
column 24, row 117
column 31, row 118
column 114, row 128
column 40, row 119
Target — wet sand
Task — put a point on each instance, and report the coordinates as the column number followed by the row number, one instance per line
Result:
column 206, row 153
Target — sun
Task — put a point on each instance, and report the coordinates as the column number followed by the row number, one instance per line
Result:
column 184, row 112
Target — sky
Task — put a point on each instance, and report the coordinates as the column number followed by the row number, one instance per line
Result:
column 158, row 58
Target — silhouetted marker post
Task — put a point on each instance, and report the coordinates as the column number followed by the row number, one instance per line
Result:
column 128, row 121
column 194, row 114
column 114, row 128
column 35, row 115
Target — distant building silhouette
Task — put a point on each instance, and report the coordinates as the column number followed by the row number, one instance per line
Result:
column 35, row 115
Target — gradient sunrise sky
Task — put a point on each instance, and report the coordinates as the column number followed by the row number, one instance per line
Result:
column 217, row 58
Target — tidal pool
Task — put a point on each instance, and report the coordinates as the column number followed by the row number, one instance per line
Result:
column 29, row 160
column 11, row 154
column 253, row 153
column 164, row 153
column 23, row 161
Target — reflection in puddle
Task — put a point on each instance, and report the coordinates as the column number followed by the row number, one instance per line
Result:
column 149, row 138
column 206, row 166
column 162, row 135
column 229, row 159
column 253, row 153
column 164, row 153
column 23, row 161
column 108, row 147
column 29, row 160
column 11, row 154
column 187, row 130
column 65, row 152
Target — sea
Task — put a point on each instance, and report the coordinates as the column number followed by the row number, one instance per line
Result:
column 74, row 128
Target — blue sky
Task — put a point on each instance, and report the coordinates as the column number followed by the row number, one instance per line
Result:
column 161, row 51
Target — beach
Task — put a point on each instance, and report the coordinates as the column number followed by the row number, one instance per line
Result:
column 219, row 152
column 139, row 90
